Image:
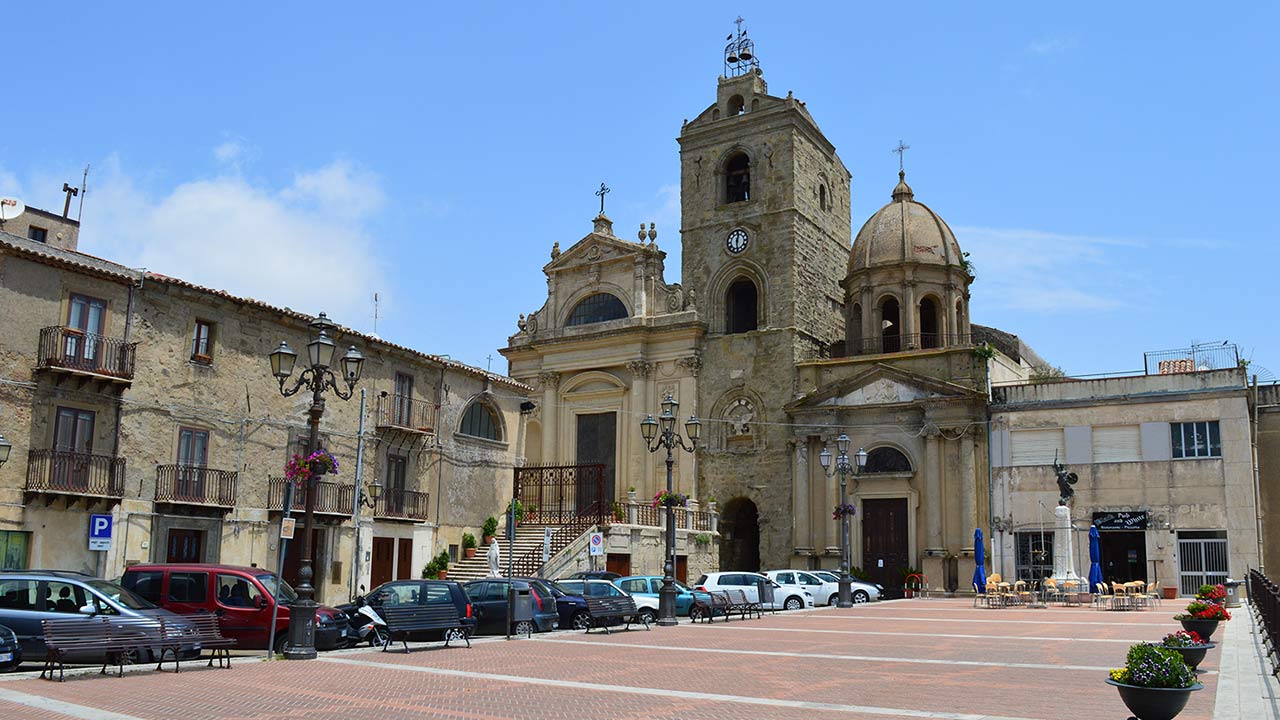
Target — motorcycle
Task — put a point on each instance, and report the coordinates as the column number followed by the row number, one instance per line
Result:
column 366, row 624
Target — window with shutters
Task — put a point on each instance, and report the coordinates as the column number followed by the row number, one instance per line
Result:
column 1037, row 447
column 1117, row 443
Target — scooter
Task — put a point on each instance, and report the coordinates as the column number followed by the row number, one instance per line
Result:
column 367, row 624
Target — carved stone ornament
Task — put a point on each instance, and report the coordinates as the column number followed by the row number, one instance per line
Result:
column 549, row 379
column 640, row 368
column 555, row 250
column 675, row 298
column 690, row 300
column 693, row 364
column 738, row 417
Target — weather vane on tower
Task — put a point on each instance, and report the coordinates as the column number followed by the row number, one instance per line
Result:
column 740, row 53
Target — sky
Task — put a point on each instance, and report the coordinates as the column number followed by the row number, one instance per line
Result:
column 1110, row 167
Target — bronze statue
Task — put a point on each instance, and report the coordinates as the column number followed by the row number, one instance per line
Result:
column 1065, row 481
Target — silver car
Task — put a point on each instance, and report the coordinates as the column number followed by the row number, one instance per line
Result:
column 860, row 590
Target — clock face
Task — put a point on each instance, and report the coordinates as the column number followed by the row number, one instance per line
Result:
column 736, row 242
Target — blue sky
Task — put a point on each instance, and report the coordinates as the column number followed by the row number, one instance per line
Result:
column 1110, row 167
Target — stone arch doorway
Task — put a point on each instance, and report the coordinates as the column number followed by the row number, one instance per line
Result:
column 740, row 536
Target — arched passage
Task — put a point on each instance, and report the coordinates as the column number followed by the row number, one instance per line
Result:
column 740, row 536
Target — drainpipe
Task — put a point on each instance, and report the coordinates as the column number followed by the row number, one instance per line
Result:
column 991, row 492
column 355, row 498
column 1257, row 486
column 128, row 325
column 441, row 392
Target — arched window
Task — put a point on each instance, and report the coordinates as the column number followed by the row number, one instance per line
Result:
column 890, row 326
column 597, row 308
column 887, row 459
column 737, row 179
column 960, row 316
column 855, row 345
column 478, row 421
column 737, row 105
column 740, row 307
column 929, row 337
column 822, row 198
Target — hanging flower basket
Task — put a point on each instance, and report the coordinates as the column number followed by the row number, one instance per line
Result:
column 843, row 510
column 299, row 468
column 670, row 499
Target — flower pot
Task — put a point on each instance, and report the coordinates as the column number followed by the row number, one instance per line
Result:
column 442, row 575
column 1171, row 593
column 1194, row 654
column 1154, row 703
column 1203, row 628
column 469, row 553
column 487, row 539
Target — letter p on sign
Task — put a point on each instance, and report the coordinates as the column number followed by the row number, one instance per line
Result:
column 99, row 532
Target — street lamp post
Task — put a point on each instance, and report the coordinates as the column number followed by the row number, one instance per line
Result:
column 845, row 597
column 317, row 378
column 670, row 439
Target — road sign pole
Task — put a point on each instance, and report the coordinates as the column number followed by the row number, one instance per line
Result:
column 284, row 546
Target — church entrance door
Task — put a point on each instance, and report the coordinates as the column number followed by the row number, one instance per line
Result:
column 597, row 445
column 740, row 536
column 884, row 542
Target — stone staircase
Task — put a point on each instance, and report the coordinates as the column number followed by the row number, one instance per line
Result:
column 528, row 539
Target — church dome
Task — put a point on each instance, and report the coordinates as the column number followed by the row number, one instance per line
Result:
column 904, row 231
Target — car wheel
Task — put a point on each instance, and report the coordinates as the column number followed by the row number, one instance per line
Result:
column 861, row 596
column 524, row 627
column 581, row 621
column 648, row 615
column 697, row 614
column 793, row 603
column 281, row 641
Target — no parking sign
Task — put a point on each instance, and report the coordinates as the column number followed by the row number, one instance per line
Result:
column 596, row 544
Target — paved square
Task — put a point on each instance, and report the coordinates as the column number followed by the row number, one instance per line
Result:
column 905, row 659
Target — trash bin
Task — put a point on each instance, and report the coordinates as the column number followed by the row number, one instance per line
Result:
column 764, row 590
column 1233, row 592
column 522, row 611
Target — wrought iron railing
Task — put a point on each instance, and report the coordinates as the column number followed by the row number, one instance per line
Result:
column 529, row 564
column 331, row 498
column 66, row 347
column 406, row 413
column 1264, row 597
column 401, row 504
column 562, row 494
column 195, row 485
column 900, row 343
column 1204, row 356
column 74, row 473
column 686, row 519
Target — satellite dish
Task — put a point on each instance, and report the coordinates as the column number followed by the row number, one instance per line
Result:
column 11, row 208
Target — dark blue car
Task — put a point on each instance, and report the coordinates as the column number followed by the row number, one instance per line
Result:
column 571, row 607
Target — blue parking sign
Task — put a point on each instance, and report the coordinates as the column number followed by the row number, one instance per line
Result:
column 99, row 532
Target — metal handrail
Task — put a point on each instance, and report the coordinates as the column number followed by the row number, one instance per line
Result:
column 195, row 485
column 406, row 413
column 402, row 504
column 331, row 498
column 75, row 349
column 75, row 473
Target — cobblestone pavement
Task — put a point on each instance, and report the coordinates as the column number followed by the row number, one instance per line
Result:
column 937, row 659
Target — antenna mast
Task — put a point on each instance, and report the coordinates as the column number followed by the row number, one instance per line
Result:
column 84, row 190
column 375, row 313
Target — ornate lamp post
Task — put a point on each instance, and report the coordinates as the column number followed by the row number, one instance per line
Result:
column 845, row 598
column 670, row 439
column 5, row 448
column 317, row 378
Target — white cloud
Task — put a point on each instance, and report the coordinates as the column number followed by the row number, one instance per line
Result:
column 1051, row 45
column 289, row 246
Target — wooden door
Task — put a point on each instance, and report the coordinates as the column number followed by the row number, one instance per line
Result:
column 884, row 541
column 383, row 561
column 619, row 563
column 184, row 546
column 682, row 568
column 597, row 444
column 404, row 559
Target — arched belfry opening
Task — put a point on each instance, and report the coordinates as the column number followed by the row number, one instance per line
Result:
column 929, row 336
column 737, row 105
column 737, row 178
column 890, row 326
column 741, row 306
column 740, row 536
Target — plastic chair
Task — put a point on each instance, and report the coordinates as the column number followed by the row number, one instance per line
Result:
column 1103, row 597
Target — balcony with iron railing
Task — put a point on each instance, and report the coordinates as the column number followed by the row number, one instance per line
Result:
column 904, row 343
column 331, row 498
column 179, row 484
column 67, row 349
column 75, row 473
column 397, row 504
column 406, row 414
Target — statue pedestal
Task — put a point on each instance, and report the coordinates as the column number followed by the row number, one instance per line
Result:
column 1064, row 557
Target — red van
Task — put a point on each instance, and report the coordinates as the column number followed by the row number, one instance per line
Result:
column 243, row 597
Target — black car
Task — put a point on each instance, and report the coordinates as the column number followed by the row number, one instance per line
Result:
column 420, row 592
column 489, row 604
column 595, row 575
column 10, row 650
column 571, row 607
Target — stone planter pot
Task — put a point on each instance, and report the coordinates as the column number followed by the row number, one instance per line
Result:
column 486, row 540
column 442, row 575
column 631, row 496
column 468, row 553
column 1154, row 703
column 1193, row 655
column 1204, row 628
column 1171, row 593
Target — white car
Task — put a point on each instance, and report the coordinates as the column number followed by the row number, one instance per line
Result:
column 608, row 588
column 785, row 597
column 862, row 591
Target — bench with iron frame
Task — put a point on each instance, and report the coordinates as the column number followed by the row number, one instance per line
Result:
column 743, row 605
column 716, row 601
column 402, row 620
column 118, row 639
column 202, row 631
column 602, row 609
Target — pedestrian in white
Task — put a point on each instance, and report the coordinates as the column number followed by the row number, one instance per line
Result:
column 494, row 558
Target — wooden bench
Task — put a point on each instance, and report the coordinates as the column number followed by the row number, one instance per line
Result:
column 716, row 602
column 405, row 619
column 602, row 609
column 118, row 639
column 744, row 606
column 201, row 630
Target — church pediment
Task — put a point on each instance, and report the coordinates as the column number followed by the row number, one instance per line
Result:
column 880, row 385
column 594, row 249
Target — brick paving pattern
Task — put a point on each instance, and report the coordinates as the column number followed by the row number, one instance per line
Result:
column 938, row 659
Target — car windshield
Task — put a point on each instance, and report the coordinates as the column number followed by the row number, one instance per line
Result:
column 119, row 595
column 681, row 586
column 286, row 594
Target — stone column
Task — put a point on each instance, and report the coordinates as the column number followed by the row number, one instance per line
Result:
column 870, row 319
column 550, row 416
column 1064, row 559
column 802, row 537
column 933, row 490
column 968, row 492
column 641, row 405
column 950, row 314
column 907, row 313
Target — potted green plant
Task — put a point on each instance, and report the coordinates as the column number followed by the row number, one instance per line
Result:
column 489, row 529
column 468, row 545
column 670, row 499
column 1189, row 645
column 615, row 508
column 1212, row 593
column 1202, row 617
column 442, row 565
column 631, row 493
column 519, row 511
column 431, row 569
column 1155, row 683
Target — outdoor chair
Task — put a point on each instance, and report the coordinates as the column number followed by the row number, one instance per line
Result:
column 1052, row 592
column 1153, row 594
column 1103, row 597
column 980, row 598
column 1022, row 593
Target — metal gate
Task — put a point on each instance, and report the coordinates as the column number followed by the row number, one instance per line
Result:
column 1201, row 562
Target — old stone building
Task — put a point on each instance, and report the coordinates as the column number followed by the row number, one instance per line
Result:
column 150, row 399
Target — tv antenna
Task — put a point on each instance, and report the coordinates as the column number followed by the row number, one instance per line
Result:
column 84, row 190
column 10, row 208
column 375, row 314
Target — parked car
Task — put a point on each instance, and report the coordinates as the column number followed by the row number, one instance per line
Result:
column 650, row 585
column 420, row 592
column 10, row 650
column 594, row 575
column 489, row 605
column 785, row 597
column 570, row 606
column 862, row 590
column 241, row 597
column 29, row 596
column 603, row 588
